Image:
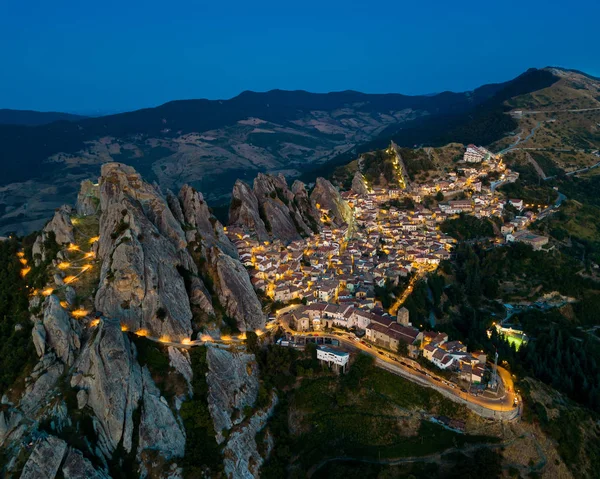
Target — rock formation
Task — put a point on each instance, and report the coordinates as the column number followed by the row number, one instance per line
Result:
column 90, row 381
column 200, row 221
column 59, row 332
column 271, row 207
column 88, row 199
column 141, row 246
column 159, row 430
column 234, row 290
column 326, row 197
column 244, row 211
column 358, row 184
column 233, row 379
column 59, row 229
column 304, row 207
column 45, row 459
column 233, row 389
column 277, row 202
column 108, row 370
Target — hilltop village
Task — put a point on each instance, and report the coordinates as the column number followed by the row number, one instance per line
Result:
column 392, row 233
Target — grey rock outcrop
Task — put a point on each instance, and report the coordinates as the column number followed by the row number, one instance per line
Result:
column 326, row 196
column 234, row 290
column 38, row 335
column 141, row 246
column 358, row 184
column 199, row 295
column 61, row 225
column 277, row 202
column 244, row 211
column 108, row 370
column 180, row 360
column 40, row 384
column 199, row 220
column 175, row 206
column 88, row 199
column 241, row 456
column 45, row 459
column 304, row 207
column 61, row 333
column 59, row 228
column 76, row 466
column 233, row 383
column 11, row 427
column 271, row 207
column 159, row 430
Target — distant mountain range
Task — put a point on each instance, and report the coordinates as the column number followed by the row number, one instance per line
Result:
column 286, row 109
column 34, row 118
column 211, row 143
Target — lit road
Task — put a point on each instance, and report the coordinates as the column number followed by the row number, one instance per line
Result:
column 414, row 372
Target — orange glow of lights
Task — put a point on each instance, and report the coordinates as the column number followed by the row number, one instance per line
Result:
column 164, row 339
column 90, row 254
column 226, row 337
column 25, row 271
column 64, row 265
column 70, row 279
column 142, row 332
column 206, row 337
column 94, row 239
column 94, row 323
column 47, row 291
column 258, row 332
column 85, row 267
column 124, row 328
column 79, row 313
column 73, row 247
column 64, row 304
column 23, row 261
column 242, row 336
column 186, row 341
column 20, row 254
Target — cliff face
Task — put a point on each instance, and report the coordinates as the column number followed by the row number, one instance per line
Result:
column 200, row 223
column 233, row 384
column 88, row 199
column 358, row 184
column 271, row 207
column 244, row 211
column 141, row 246
column 326, row 197
column 234, row 290
column 59, row 230
column 91, row 380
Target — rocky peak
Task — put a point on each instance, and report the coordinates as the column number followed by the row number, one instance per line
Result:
column 271, row 206
column 326, row 197
column 141, row 247
column 358, row 184
column 234, row 290
column 107, row 370
column 57, row 331
column 58, row 228
column 199, row 220
column 244, row 211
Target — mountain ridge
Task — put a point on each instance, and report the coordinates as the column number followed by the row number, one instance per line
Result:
column 9, row 116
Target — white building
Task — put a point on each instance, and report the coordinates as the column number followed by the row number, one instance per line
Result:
column 476, row 154
column 333, row 357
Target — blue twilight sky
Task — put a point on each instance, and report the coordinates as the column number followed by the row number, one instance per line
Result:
column 81, row 55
